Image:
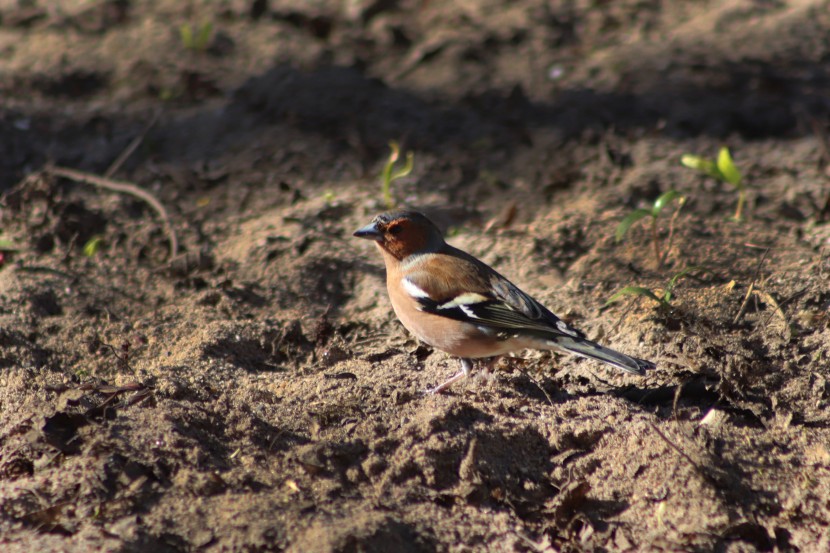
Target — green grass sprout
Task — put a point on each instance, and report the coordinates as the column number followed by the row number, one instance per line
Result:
column 391, row 174
column 93, row 246
column 654, row 212
column 722, row 169
column 198, row 39
column 663, row 300
column 7, row 245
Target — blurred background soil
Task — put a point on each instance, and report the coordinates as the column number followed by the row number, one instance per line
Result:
column 216, row 367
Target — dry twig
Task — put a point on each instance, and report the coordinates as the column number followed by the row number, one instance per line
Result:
column 677, row 449
column 751, row 288
column 662, row 259
column 131, row 147
column 124, row 188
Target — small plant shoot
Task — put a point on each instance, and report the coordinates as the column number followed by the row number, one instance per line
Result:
column 196, row 40
column 391, row 174
column 654, row 212
column 6, row 247
column 723, row 169
column 664, row 299
column 93, row 246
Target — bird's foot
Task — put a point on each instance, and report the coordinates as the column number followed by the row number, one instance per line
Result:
column 440, row 388
column 466, row 366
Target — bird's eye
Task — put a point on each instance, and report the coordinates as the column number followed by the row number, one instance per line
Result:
column 395, row 229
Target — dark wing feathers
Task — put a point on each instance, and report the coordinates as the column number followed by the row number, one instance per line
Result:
column 485, row 312
column 483, row 297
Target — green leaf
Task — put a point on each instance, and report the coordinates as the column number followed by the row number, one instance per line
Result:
column 8, row 246
column 727, row 168
column 390, row 174
column 92, row 246
column 406, row 169
column 629, row 220
column 203, row 37
column 663, row 200
column 196, row 38
column 186, row 35
column 386, row 175
column 634, row 291
column 706, row 166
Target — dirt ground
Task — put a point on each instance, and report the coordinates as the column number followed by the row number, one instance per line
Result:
column 236, row 380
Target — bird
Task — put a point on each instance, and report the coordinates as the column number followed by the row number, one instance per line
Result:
column 458, row 304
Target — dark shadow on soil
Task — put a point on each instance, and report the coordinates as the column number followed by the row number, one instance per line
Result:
column 758, row 100
column 352, row 111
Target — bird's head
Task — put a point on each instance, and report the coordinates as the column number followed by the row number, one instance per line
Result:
column 402, row 233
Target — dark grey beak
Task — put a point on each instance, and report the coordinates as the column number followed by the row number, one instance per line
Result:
column 369, row 232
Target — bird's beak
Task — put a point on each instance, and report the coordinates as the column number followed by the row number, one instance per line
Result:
column 369, row 232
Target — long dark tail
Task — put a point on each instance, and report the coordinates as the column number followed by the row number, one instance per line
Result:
column 592, row 350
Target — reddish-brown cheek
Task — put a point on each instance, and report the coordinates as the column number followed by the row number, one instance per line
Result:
column 405, row 244
column 397, row 248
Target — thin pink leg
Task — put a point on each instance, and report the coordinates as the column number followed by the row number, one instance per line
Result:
column 466, row 365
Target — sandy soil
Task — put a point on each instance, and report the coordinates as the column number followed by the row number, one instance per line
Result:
column 247, row 388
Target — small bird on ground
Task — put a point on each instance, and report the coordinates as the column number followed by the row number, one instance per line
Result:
column 460, row 305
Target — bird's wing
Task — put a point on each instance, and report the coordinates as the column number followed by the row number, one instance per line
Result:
column 458, row 286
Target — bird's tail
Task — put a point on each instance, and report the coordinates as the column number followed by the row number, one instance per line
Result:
column 592, row 350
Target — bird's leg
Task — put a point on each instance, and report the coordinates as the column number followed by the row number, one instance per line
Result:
column 466, row 366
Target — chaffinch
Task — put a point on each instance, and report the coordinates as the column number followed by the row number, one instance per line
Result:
column 459, row 305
